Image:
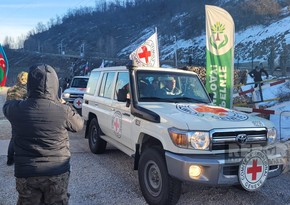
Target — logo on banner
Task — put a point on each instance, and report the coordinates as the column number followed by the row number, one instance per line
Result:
column 219, row 39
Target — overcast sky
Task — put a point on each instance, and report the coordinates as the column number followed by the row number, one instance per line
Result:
column 18, row 17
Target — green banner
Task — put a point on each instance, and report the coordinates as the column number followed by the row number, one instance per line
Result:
column 219, row 55
column 219, row 77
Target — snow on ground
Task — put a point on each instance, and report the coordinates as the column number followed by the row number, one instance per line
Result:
column 281, row 118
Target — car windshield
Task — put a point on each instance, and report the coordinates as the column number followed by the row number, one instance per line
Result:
column 79, row 83
column 176, row 87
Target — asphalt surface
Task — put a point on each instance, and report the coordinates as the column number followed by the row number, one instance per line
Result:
column 109, row 178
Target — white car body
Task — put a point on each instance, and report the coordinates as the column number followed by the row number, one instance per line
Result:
column 223, row 138
column 75, row 92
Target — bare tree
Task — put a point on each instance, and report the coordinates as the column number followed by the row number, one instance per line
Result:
column 40, row 27
column 264, row 7
column 283, row 58
column 271, row 58
column 8, row 42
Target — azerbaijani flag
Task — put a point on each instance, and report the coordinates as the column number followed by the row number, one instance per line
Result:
column 3, row 67
column 220, row 30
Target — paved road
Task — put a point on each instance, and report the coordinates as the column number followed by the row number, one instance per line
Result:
column 110, row 179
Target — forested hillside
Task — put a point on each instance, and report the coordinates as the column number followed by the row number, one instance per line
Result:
column 111, row 31
column 106, row 29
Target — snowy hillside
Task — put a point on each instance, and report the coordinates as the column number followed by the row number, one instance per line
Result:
column 250, row 42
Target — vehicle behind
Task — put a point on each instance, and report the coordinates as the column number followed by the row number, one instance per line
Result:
column 75, row 92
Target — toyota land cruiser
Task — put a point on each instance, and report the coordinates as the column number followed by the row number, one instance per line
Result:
column 165, row 119
column 74, row 93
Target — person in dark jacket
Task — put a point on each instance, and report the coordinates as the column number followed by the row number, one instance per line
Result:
column 257, row 74
column 16, row 92
column 41, row 124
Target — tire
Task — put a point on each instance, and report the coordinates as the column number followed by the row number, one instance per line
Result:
column 96, row 143
column 158, row 188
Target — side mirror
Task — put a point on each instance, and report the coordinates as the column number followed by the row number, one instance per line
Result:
column 122, row 95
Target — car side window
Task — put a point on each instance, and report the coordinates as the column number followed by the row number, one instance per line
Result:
column 92, row 84
column 107, row 85
column 122, row 80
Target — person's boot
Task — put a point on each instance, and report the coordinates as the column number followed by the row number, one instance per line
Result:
column 10, row 161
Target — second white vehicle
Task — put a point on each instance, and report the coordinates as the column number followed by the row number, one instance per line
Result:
column 75, row 92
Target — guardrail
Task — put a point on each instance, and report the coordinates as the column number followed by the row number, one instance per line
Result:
column 280, row 117
column 258, row 91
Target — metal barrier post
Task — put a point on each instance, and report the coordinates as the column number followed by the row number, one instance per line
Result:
column 280, row 123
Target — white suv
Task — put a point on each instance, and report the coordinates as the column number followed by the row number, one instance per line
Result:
column 164, row 118
column 75, row 92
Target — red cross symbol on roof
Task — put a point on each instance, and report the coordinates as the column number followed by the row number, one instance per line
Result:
column 145, row 54
column 116, row 124
column 254, row 170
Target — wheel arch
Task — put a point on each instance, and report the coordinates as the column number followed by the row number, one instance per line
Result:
column 90, row 117
column 145, row 141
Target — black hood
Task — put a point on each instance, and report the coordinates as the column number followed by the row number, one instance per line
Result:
column 42, row 82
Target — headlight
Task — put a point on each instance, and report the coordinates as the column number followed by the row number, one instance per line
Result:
column 271, row 135
column 65, row 95
column 199, row 140
column 190, row 139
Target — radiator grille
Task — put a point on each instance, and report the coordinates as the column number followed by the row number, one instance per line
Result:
column 227, row 139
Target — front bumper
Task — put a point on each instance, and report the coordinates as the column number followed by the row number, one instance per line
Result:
column 76, row 102
column 216, row 169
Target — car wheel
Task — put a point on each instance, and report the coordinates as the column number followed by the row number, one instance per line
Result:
column 157, row 186
column 96, row 143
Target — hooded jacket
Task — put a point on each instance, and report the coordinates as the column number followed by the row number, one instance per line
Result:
column 41, row 124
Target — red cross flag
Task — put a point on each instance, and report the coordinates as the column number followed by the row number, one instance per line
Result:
column 147, row 54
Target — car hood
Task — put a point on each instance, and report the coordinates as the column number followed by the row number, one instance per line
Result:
column 75, row 90
column 203, row 117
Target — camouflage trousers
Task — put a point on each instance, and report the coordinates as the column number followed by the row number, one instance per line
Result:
column 46, row 190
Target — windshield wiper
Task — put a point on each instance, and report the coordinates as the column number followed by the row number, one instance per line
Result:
column 187, row 99
column 152, row 99
column 174, row 99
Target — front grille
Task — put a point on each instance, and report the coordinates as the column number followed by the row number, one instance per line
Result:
column 226, row 139
column 76, row 95
column 231, row 170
